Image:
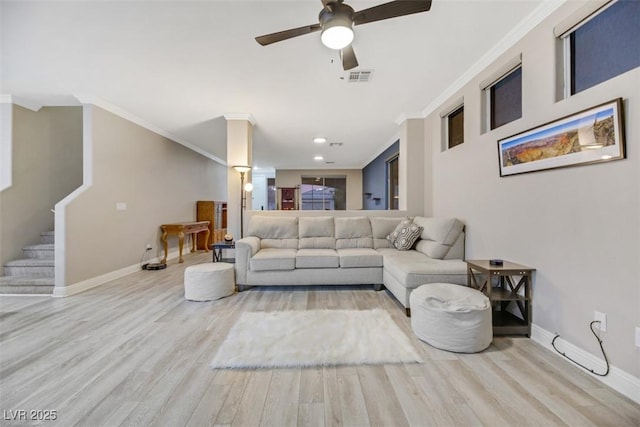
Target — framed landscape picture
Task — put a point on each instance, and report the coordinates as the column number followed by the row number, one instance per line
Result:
column 590, row 136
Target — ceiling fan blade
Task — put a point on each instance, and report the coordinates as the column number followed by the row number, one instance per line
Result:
column 348, row 57
column 287, row 34
column 391, row 10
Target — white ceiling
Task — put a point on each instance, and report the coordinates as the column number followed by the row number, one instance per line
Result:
column 182, row 65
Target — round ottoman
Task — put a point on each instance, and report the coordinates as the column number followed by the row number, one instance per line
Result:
column 451, row 317
column 205, row 282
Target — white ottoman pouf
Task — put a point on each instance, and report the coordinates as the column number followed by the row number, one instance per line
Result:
column 205, row 282
column 451, row 317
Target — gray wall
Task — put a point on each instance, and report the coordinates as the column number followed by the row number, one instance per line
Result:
column 579, row 227
column 159, row 180
column 47, row 165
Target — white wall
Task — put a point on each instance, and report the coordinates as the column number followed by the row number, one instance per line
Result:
column 579, row 227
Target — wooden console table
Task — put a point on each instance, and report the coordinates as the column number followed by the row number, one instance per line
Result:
column 182, row 228
column 509, row 293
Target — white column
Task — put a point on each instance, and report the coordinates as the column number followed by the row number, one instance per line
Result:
column 239, row 152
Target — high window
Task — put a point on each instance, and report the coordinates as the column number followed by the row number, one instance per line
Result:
column 324, row 193
column 455, row 127
column 505, row 99
column 602, row 45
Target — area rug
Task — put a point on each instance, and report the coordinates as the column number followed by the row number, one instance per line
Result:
column 280, row 339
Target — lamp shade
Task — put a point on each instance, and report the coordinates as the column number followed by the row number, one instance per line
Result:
column 242, row 168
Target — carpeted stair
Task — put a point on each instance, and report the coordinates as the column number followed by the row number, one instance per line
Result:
column 34, row 274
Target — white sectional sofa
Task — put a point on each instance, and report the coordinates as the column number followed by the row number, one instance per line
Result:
column 323, row 250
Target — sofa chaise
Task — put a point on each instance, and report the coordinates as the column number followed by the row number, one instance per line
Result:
column 323, row 250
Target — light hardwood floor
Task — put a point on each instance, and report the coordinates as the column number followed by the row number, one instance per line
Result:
column 134, row 352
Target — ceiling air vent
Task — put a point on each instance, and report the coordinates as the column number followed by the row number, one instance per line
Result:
column 360, row 76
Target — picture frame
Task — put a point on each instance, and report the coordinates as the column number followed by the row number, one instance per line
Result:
column 590, row 136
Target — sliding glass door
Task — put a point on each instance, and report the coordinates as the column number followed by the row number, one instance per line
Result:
column 324, row 193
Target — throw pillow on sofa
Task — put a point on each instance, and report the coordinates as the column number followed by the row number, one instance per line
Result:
column 408, row 237
column 404, row 224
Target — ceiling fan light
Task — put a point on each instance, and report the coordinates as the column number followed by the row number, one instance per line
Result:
column 337, row 36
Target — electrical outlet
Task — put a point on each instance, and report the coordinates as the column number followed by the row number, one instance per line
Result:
column 638, row 336
column 603, row 320
column 149, row 247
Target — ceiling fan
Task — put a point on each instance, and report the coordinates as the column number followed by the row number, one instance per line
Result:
column 337, row 20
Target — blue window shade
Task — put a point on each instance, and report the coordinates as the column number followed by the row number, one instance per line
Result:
column 606, row 46
column 506, row 99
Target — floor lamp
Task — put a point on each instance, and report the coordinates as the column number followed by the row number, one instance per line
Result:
column 243, row 199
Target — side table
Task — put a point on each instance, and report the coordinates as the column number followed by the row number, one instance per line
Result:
column 180, row 229
column 508, row 287
column 217, row 248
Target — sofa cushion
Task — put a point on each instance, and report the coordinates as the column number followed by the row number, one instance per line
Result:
column 279, row 243
column 353, row 233
column 317, row 258
column 267, row 227
column 381, row 227
column 441, row 230
column 317, row 243
column 385, row 252
column 412, row 269
column 320, row 226
column 438, row 235
column 359, row 257
column 273, row 259
column 316, row 233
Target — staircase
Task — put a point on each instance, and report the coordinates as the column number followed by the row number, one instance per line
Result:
column 34, row 274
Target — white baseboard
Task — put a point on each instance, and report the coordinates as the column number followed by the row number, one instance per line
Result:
column 617, row 379
column 75, row 288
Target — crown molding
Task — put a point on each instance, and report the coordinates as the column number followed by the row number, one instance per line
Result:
column 389, row 143
column 241, row 116
column 403, row 117
column 92, row 100
column 543, row 11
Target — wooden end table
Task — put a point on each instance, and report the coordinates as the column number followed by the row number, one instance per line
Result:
column 508, row 287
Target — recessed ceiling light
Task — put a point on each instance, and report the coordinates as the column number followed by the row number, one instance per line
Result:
column 318, row 158
column 320, row 140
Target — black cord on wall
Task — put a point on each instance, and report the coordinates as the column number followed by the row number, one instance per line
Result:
column 553, row 343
